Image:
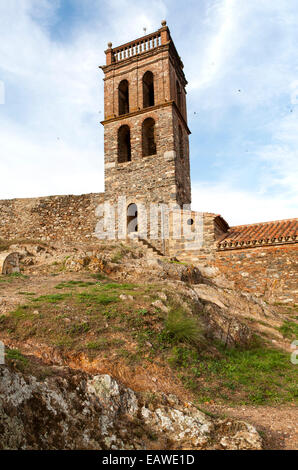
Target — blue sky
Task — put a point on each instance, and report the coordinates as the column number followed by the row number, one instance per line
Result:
column 241, row 63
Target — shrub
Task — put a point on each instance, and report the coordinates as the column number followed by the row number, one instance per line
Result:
column 182, row 328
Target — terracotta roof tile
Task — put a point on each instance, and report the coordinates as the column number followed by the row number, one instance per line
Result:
column 265, row 233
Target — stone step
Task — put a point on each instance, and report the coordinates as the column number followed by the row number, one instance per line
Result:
column 145, row 244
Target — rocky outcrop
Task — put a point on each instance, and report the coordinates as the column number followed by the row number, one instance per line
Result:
column 71, row 410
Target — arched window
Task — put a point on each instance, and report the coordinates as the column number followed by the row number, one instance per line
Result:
column 148, row 89
column 123, row 97
column 124, row 150
column 148, row 135
column 132, row 218
column 180, row 137
column 179, row 97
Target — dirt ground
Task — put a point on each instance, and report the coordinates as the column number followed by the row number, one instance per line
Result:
column 277, row 425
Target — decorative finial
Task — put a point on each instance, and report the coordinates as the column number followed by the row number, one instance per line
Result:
column 109, row 45
column 163, row 23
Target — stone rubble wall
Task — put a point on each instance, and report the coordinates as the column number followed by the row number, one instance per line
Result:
column 53, row 218
column 270, row 271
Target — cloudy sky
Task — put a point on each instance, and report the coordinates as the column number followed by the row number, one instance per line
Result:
column 241, row 63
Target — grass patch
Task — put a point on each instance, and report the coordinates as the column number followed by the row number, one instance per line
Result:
column 16, row 358
column 103, row 344
column 11, row 277
column 116, row 286
column 92, row 319
column 51, row 298
column 73, row 284
column 95, row 297
column 182, row 328
column 122, row 251
column 258, row 375
column 98, row 276
column 289, row 329
column 78, row 328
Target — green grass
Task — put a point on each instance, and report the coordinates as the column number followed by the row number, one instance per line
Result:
column 74, row 284
column 122, row 251
column 78, row 328
column 51, row 298
column 17, row 358
column 289, row 329
column 11, row 277
column 259, row 375
column 182, row 328
column 117, row 286
column 98, row 276
column 103, row 344
column 100, row 298
column 92, row 319
column 21, row 311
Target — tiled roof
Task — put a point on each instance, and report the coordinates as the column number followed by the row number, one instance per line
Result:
column 265, row 233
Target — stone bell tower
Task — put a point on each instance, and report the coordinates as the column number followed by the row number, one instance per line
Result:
column 145, row 122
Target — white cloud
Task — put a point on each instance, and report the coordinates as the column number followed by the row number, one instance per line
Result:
column 241, row 207
column 50, row 137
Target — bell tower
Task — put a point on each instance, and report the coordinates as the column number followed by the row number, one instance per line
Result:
column 146, row 142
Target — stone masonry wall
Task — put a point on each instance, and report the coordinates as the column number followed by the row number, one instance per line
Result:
column 151, row 177
column 186, row 251
column 57, row 218
column 270, row 271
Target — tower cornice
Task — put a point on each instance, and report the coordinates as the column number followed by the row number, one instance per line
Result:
column 123, row 117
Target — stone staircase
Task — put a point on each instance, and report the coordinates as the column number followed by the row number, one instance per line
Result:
column 150, row 250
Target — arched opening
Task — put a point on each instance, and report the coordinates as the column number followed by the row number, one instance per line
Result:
column 179, row 97
column 148, row 137
column 148, row 89
column 9, row 263
column 132, row 218
column 180, row 136
column 123, row 97
column 124, row 149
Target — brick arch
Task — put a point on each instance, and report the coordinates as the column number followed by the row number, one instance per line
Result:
column 180, row 142
column 178, row 95
column 123, row 97
column 124, row 144
column 148, row 137
column 148, row 89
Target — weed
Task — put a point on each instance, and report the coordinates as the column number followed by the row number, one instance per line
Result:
column 78, row 328
column 17, row 358
column 182, row 328
column 289, row 329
